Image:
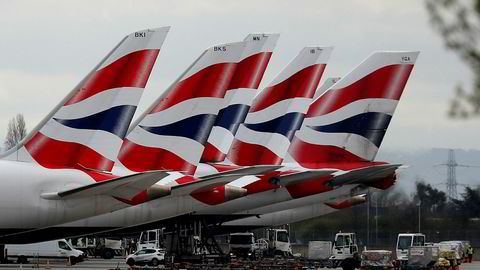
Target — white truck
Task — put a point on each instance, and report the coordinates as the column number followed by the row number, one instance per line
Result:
column 151, row 239
column 407, row 240
column 343, row 252
column 48, row 249
column 240, row 245
column 278, row 243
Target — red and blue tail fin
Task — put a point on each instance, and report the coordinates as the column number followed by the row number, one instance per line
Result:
column 239, row 95
column 87, row 128
column 348, row 122
column 278, row 111
column 171, row 134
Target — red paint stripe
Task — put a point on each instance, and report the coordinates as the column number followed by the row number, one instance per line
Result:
column 131, row 70
column 54, row 154
column 315, row 156
column 224, row 168
column 301, row 84
column 211, row 81
column 383, row 183
column 246, row 154
column 249, row 72
column 100, row 177
column 186, row 179
column 340, row 205
column 386, row 82
column 211, row 195
column 142, row 158
column 309, row 187
column 263, row 184
column 212, row 154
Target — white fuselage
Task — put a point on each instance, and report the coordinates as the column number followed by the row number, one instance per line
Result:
column 22, row 206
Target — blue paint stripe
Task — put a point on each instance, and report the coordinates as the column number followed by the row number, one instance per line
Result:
column 197, row 128
column 371, row 125
column 232, row 116
column 114, row 120
column 285, row 125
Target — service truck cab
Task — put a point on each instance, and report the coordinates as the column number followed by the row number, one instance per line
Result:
column 151, row 239
column 279, row 242
column 406, row 240
column 48, row 249
column 241, row 244
column 343, row 252
column 345, row 246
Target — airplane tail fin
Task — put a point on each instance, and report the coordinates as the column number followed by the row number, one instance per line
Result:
column 86, row 129
column 239, row 95
column 278, row 111
column 171, row 134
column 325, row 86
column 348, row 122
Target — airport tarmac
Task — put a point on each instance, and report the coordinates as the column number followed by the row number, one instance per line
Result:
column 119, row 263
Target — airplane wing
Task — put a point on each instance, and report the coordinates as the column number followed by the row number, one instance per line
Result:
column 250, row 170
column 364, row 175
column 125, row 187
column 288, row 179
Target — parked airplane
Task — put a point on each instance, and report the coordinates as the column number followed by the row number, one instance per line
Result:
column 168, row 123
column 61, row 170
column 56, row 174
column 368, row 95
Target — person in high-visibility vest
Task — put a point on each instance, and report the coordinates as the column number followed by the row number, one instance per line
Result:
column 470, row 254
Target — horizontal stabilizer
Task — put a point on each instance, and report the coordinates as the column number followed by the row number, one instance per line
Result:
column 364, row 175
column 288, row 179
column 204, row 183
column 125, row 187
column 251, row 170
column 348, row 202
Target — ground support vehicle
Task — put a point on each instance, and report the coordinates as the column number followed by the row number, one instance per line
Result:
column 451, row 253
column 276, row 243
column 240, row 245
column 48, row 249
column 404, row 242
column 98, row 247
column 343, row 252
column 152, row 239
column 422, row 258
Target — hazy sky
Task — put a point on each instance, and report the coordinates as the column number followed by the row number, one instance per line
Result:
column 48, row 46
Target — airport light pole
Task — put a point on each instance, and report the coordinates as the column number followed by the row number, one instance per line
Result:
column 368, row 217
column 419, row 215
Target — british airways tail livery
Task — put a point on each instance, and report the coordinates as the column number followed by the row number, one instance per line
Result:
column 239, row 95
column 348, row 122
column 87, row 128
column 325, row 86
column 171, row 134
column 278, row 111
column 57, row 173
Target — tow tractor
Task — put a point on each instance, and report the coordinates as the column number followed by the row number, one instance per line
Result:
column 276, row 243
column 343, row 252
